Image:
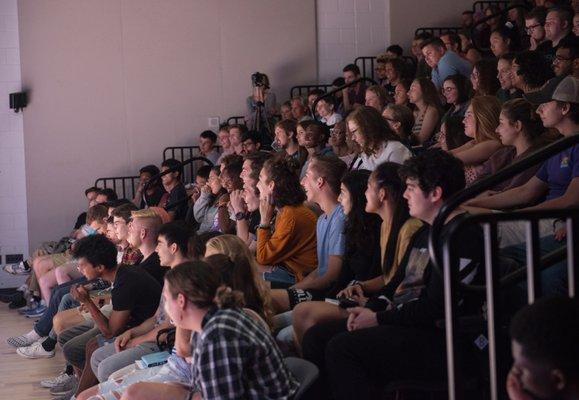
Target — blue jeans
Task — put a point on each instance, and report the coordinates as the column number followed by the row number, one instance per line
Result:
column 280, row 277
column 44, row 324
column 554, row 280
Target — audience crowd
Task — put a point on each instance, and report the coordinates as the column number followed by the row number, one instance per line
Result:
column 304, row 245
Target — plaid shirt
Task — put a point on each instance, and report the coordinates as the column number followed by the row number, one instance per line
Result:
column 131, row 257
column 235, row 358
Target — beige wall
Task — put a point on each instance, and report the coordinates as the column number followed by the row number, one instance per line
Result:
column 407, row 15
column 113, row 82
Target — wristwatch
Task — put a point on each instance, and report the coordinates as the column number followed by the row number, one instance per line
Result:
column 241, row 216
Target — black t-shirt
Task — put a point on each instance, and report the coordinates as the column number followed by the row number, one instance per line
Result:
column 152, row 265
column 254, row 220
column 136, row 291
column 154, row 198
column 80, row 221
column 178, row 194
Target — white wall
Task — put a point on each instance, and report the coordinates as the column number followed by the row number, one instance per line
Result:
column 352, row 28
column 113, row 82
column 13, row 223
column 348, row 29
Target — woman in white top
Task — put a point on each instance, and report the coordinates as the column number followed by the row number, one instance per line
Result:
column 326, row 110
column 376, row 139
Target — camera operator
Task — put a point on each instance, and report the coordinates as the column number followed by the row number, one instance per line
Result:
column 261, row 107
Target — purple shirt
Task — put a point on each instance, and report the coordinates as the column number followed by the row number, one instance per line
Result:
column 558, row 171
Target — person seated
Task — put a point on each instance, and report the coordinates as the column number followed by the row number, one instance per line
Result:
column 155, row 193
column 286, row 140
column 207, row 149
column 504, row 39
column 245, row 203
column 457, row 91
column 451, row 135
column 311, row 98
column 230, row 181
column 105, row 195
column 236, row 132
column 44, row 267
column 558, row 25
column 507, row 90
column 90, row 195
column 326, row 110
column 442, row 61
column 425, row 97
column 423, row 70
column 401, row 93
column 484, row 77
column 521, row 133
column 558, row 178
column 251, row 142
column 289, row 246
column 376, row 97
column 322, row 186
column 206, row 207
column 394, row 51
column 97, row 259
column 372, row 254
column 545, row 355
column 299, row 110
column 397, row 339
column 352, row 96
column 380, row 70
column 140, row 340
column 224, row 335
column 401, row 120
column 566, row 61
column 468, row 51
column 176, row 204
column 339, row 144
column 394, row 71
column 121, row 217
column 285, row 110
column 194, row 190
column 376, row 140
column 224, row 142
column 535, row 27
column 452, row 42
column 530, row 71
column 480, row 123
column 313, row 136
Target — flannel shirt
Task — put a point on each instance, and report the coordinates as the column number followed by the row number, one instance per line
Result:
column 236, row 358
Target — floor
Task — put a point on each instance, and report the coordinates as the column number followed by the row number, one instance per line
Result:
column 20, row 377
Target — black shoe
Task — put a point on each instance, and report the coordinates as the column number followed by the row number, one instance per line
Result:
column 18, row 302
column 7, row 298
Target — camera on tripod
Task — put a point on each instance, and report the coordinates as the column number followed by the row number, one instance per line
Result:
column 259, row 80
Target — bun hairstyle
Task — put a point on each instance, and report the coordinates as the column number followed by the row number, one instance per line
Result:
column 524, row 112
column 200, row 283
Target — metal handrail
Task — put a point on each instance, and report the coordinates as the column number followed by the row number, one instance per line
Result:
column 180, row 166
column 484, row 4
column 502, row 12
column 116, row 179
column 372, row 59
column 541, row 155
column 347, row 85
column 441, row 256
column 440, row 29
column 306, row 88
column 238, row 119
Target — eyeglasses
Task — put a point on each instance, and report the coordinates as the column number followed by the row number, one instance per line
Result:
column 529, row 29
column 448, row 89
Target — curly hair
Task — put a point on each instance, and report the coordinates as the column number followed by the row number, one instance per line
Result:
column 373, row 127
column 534, row 68
column 287, row 190
column 435, row 168
column 97, row 250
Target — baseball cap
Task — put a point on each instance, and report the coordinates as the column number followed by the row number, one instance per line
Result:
column 560, row 88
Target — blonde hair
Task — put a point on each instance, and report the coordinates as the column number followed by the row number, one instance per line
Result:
column 237, row 251
column 486, row 111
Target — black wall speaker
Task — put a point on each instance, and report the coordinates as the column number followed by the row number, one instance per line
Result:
column 18, row 101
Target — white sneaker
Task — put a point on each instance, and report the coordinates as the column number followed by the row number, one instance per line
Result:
column 22, row 341
column 56, row 381
column 34, row 351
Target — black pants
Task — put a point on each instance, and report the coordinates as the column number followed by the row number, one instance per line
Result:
column 357, row 365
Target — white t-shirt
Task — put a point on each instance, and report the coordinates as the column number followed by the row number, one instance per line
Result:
column 392, row 151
